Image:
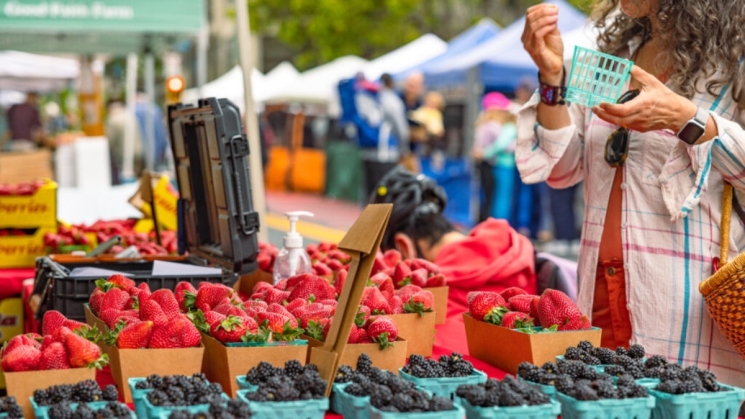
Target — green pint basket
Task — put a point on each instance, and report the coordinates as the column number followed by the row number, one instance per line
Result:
column 596, row 77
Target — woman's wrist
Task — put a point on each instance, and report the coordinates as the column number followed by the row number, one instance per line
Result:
column 552, row 79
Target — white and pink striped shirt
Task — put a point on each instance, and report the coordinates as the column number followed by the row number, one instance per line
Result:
column 670, row 220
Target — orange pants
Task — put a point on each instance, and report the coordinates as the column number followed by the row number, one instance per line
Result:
column 609, row 309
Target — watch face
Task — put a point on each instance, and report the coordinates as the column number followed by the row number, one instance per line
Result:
column 691, row 132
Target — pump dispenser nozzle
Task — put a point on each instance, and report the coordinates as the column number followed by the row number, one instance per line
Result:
column 292, row 259
column 292, row 239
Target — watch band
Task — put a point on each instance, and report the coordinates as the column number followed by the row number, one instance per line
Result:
column 553, row 95
column 695, row 128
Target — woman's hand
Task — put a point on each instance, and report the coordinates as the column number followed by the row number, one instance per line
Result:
column 542, row 41
column 656, row 108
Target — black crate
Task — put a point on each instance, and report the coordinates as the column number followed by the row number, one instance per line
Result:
column 67, row 294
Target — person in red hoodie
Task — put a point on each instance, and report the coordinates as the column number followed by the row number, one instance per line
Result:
column 493, row 257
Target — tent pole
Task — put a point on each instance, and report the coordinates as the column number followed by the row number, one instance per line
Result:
column 474, row 91
column 128, row 173
column 203, row 41
column 245, row 51
column 149, row 117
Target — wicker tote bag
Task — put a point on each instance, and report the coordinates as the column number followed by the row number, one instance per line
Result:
column 724, row 291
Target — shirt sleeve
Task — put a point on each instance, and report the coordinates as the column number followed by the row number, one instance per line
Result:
column 552, row 156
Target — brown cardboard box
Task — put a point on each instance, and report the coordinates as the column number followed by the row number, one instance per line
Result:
column 441, row 303
column 246, row 283
column 390, row 359
column 223, row 364
column 25, row 166
column 506, row 349
column 93, row 321
column 21, row 385
column 134, row 363
column 418, row 330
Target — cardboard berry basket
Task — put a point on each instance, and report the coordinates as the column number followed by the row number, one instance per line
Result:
column 391, row 358
column 22, row 385
column 418, row 330
column 132, row 363
column 506, row 348
column 441, row 302
column 93, row 321
column 246, row 283
column 222, row 363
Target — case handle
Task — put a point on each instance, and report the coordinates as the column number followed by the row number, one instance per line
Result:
column 249, row 220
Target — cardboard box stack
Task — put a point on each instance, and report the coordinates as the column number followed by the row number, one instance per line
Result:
column 27, row 213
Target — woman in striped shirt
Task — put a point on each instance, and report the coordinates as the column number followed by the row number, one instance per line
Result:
column 651, row 229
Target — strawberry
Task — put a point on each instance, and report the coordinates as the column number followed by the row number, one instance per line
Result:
column 397, row 305
column 340, row 256
column 135, row 335
column 436, row 280
column 483, row 303
column 379, row 264
column 121, row 281
column 329, row 303
column 516, row 320
column 265, row 262
column 362, row 336
column 151, row 311
column 353, row 334
column 256, row 304
column 321, row 269
column 317, row 288
column 339, row 280
column 534, row 309
column 335, row 265
column 521, row 303
column 46, row 341
column 115, row 298
column 83, row 353
column 383, row 331
column 110, row 316
column 407, row 291
column 52, row 321
column 213, row 317
column 60, row 335
column 274, row 295
column 511, row 292
column 230, row 330
column 556, row 308
column 261, row 286
column 178, row 333
column 419, row 277
column 282, row 284
column 279, row 309
column 316, row 329
column 402, row 275
column 431, row 268
column 471, row 295
column 28, row 339
column 384, row 282
column 363, row 313
column 294, row 281
column 282, row 327
column 22, row 358
column 392, row 257
column 421, row 302
column 315, row 316
column 377, row 302
column 145, row 287
column 180, row 293
column 211, row 295
column 54, row 357
column 96, row 301
column 296, row 304
column 579, row 323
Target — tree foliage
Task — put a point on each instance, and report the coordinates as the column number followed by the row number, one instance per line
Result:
column 322, row 30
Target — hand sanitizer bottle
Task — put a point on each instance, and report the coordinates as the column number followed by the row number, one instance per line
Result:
column 292, row 259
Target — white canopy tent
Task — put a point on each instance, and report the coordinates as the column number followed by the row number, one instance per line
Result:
column 410, row 55
column 22, row 71
column 229, row 85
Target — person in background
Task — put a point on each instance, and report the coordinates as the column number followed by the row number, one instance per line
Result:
column 118, row 119
column 413, row 91
column 24, row 124
column 155, row 143
column 429, row 116
column 394, row 112
column 494, row 149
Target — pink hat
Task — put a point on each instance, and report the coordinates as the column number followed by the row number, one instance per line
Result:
column 495, row 100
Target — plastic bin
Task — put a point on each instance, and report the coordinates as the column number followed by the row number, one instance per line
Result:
column 457, row 413
column 546, row 411
column 596, row 77
column 155, row 412
column 349, row 406
column 571, row 408
column 245, row 385
column 137, row 397
column 444, row 387
column 300, row 409
column 719, row 405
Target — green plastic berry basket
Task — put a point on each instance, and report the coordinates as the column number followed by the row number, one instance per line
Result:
column 155, row 412
column 347, row 405
column 545, row 411
column 245, row 385
column 638, row 408
column 550, row 391
column 722, row 404
column 444, row 387
column 300, row 409
column 457, row 413
column 43, row 411
column 596, row 77
column 137, row 396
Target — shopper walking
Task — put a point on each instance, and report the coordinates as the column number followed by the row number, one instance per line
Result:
column 651, row 224
column 24, row 124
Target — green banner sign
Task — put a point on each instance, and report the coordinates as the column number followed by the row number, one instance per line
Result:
column 69, row 16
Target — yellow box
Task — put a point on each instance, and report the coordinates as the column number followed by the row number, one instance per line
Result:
column 11, row 318
column 30, row 211
column 22, row 251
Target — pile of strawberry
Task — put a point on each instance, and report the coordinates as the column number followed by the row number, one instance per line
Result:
column 21, row 189
column 365, row 329
column 218, row 311
column 326, row 259
column 104, row 230
column 141, row 319
column 266, row 257
column 65, row 344
column 514, row 308
column 419, row 272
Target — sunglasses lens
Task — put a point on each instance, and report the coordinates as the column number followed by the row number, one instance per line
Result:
column 617, row 146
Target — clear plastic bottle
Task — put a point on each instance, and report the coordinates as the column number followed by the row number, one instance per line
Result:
column 292, row 259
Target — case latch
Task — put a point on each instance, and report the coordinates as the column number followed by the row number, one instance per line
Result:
column 250, row 222
column 239, row 146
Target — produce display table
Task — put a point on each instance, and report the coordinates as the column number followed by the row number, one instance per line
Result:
column 11, row 281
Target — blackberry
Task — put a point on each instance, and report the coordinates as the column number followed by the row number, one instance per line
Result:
column 638, row 391
column 529, row 372
column 380, row 396
column 547, row 379
column 709, row 381
column 41, row 397
column 287, row 394
column 455, row 356
column 589, row 373
column 119, row 410
column 356, row 390
column 155, row 380
column 573, row 354
column 493, row 385
column 491, row 399
column 420, row 401
column 293, row 368
column 12, row 408
column 474, row 394
column 158, row 398
column 110, row 393
column 310, row 367
column 605, row 356
column 564, row 383
column 621, row 351
column 655, row 361
column 398, row 384
column 238, row 408
column 378, row 376
column 105, row 413
column 605, row 389
column 625, row 380
column 585, row 393
column 653, row 372
column 417, row 359
column 626, row 361
column 509, row 398
column 536, row 398
column 572, row 368
column 636, row 351
column 586, row 346
column 614, row 370
column 440, row 404
column 550, row 368
column 143, row 385
column 670, row 373
column 84, row 412
column 260, row 373
column 364, row 364
column 691, row 386
column 635, row 371
column 669, row 386
column 460, row 368
column 344, row 374
column 179, row 414
column 175, row 396
column 60, row 411
column 402, row 402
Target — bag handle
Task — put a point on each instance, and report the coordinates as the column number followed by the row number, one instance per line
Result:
column 726, row 220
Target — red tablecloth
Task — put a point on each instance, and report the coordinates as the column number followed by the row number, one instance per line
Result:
column 11, row 281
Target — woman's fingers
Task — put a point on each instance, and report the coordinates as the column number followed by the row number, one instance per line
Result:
column 540, row 33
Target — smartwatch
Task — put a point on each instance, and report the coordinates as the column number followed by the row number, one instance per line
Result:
column 694, row 129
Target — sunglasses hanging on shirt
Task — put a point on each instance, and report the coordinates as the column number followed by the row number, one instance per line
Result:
column 617, row 145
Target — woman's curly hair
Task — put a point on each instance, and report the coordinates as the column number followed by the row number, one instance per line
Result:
column 705, row 37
